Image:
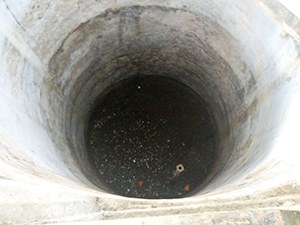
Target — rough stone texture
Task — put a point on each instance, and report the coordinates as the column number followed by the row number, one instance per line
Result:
column 57, row 56
column 236, row 217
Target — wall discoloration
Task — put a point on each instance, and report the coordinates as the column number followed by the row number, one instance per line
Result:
column 162, row 41
column 57, row 57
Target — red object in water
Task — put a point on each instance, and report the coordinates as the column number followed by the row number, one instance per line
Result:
column 187, row 187
column 140, row 183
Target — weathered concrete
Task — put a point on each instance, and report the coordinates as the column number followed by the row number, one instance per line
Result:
column 57, row 57
column 235, row 217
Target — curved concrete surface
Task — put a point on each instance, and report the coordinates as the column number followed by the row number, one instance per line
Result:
column 57, row 57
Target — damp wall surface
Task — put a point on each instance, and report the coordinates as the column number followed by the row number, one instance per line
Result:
column 57, row 57
column 192, row 49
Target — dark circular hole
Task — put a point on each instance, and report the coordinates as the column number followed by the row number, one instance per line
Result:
column 142, row 128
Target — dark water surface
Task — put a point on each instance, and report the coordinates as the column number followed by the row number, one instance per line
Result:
column 141, row 129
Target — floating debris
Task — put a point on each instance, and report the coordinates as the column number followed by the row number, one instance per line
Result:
column 178, row 171
column 147, row 164
column 143, row 128
column 187, row 187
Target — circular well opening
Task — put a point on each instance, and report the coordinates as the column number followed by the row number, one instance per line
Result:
column 151, row 137
column 117, row 52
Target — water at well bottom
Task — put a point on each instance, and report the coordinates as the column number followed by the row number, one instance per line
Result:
column 141, row 129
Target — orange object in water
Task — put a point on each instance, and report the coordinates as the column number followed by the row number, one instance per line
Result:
column 187, row 187
column 140, row 183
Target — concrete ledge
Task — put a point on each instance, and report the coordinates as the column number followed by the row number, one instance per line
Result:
column 255, row 217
